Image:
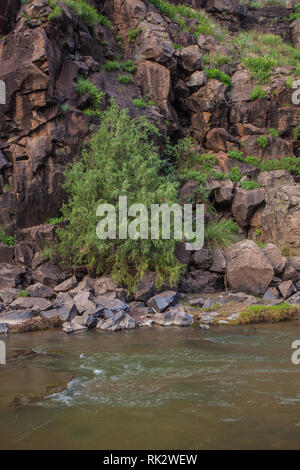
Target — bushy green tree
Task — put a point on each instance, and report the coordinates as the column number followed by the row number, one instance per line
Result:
column 120, row 160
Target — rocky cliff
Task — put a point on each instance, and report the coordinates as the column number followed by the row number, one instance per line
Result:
column 222, row 72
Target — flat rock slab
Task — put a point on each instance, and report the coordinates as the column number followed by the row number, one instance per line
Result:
column 34, row 303
column 13, row 317
column 67, row 285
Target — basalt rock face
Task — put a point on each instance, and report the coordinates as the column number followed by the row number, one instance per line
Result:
column 43, row 124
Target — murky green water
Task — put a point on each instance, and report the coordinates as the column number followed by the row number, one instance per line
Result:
column 161, row 388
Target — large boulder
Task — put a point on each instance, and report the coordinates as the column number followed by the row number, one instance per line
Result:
column 292, row 269
column 49, row 274
column 248, row 270
column 10, row 275
column 35, row 304
column 190, row 59
column 199, row 281
column 40, row 290
column 161, row 302
column 146, row 287
column 275, row 258
column 245, row 204
column 287, row 289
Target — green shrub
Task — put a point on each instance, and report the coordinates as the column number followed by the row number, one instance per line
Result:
column 23, row 293
column 120, row 159
column 120, row 42
column 194, row 21
column 289, row 82
column 133, row 34
column 86, row 12
column 112, row 65
column 262, row 141
column 250, row 184
column 92, row 112
column 177, row 46
column 260, row 67
column 252, row 161
column 236, row 154
column 235, row 175
column 261, row 53
column 55, row 14
column 65, row 108
column 220, row 234
column 219, row 176
column 129, row 66
column 258, row 93
column 273, row 132
column 54, row 220
column 124, row 79
column 291, row 164
column 218, row 75
column 296, row 133
column 216, row 59
column 84, row 85
column 6, row 239
column 142, row 102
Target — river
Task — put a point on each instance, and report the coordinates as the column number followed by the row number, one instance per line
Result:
column 159, row 388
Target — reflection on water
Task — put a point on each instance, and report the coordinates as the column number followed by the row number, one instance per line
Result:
column 161, row 388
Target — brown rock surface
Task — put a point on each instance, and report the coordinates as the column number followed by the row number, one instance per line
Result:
column 248, row 270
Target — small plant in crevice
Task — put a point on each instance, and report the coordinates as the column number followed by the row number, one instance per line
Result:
column 132, row 35
column 124, row 79
column 112, row 65
column 235, row 175
column 262, row 141
column 296, row 133
column 84, row 85
column 55, row 14
column 219, row 75
column 23, row 293
column 236, row 154
column 6, row 239
column 273, row 132
column 142, row 102
column 220, row 234
column 258, row 93
column 250, row 184
column 84, row 10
